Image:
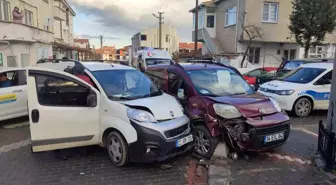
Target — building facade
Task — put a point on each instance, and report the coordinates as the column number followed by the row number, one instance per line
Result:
column 83, row 50
column 223, row 27
column 150, row 38
column 107, row 53
column 31, row 33
column 123, row 53
column 186, row 49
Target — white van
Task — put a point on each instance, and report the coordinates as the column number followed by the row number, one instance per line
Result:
column 305, row 89
column 122, row 111
column 150, row 57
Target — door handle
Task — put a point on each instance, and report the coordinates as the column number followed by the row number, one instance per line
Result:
column 15, row 91
column 35, row 115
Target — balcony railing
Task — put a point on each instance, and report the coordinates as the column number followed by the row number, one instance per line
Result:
column 22, row 32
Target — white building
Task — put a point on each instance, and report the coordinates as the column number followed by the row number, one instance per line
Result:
column 22, row 44
column 150, row 38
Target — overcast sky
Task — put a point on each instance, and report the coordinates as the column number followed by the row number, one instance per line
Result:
column 119, row 20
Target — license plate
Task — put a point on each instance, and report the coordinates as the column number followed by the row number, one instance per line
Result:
column 274, row 137
column 184, row 141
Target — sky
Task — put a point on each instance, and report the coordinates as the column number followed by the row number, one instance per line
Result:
column 119, row 20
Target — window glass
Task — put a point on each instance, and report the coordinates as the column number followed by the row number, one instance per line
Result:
column 292, row 65
column 157, row 76
column 174, row 83
column 24, row 60
column 126, row 84
column 14, row 78
column 55, row 91
column 11, row 62
column 303, row 75
column 270, row 12
column 219, row 82
column 230, row 16
column 327, row 76
column 156, row 61
column 210, row 21
column 143, row 37
column 5, row 10
column 255, row 73
column 28, row 17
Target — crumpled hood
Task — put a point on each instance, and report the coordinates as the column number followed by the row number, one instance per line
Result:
column 249, row 105
column 160, row 106
column 282, row 85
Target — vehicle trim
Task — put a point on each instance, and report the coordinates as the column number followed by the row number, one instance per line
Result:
column 61, row 140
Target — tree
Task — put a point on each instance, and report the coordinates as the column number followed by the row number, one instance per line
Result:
column 253, row 32
column 311, row 20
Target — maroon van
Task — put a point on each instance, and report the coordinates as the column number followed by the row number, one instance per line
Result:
column 219, row 102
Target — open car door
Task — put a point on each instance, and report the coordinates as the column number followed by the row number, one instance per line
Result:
column 63, row 110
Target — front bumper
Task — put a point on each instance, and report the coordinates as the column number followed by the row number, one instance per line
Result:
column 157, row 145
column 285, row 102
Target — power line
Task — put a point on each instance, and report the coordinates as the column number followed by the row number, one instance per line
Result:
column 160, row 17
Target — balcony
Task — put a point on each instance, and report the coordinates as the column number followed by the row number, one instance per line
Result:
column 59, row 13
column 23, row 33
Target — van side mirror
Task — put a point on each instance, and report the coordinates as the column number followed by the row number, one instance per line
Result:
column 91, row 100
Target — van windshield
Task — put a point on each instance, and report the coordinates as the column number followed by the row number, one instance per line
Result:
column 126, row 84
column 303, row 75
column 219, row 82
column 156, row 61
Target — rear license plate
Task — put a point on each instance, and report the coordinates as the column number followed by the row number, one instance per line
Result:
column 274, row 137
column 184, row 141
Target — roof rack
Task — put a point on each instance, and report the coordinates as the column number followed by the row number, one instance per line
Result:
column 206, row 61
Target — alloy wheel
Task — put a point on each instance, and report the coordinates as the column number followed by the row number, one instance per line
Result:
column 202, row 143
column 303, row 107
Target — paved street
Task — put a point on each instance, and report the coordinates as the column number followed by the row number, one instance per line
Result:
column 20, row 166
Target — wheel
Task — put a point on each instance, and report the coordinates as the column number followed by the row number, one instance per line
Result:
column 205, row 144
column 302, row 107
column 117, row 149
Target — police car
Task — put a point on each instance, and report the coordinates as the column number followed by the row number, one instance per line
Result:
column 305, row 89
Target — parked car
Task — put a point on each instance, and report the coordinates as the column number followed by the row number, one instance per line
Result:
column 251, row 76
column 221, row 104
column 284, row 68
column 120, row 111
column 13, row 95
column 303, row 90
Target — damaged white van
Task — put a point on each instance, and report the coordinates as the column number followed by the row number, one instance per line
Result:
column 120, row 109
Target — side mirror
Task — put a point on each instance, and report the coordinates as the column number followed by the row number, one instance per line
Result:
column 91, row 100
column 180, row 94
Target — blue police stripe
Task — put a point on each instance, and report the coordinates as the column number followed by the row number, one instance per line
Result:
column 316, row 95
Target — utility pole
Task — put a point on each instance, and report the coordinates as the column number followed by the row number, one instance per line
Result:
column 331, row 120
column 196, row 29
column 101, row 41
column 160, row 17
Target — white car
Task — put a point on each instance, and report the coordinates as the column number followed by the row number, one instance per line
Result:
column 122, row 111
column 305, row 89
column 13, row 98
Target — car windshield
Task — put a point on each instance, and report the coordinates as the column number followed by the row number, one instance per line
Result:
column 219, row 82
column 303, row 75
column 156, row 61
column 291, row 65
column 126, row 84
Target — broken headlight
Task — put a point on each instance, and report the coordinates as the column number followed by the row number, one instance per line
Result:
column 227, row 111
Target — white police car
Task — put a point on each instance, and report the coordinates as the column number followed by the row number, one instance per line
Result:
column 304, row 89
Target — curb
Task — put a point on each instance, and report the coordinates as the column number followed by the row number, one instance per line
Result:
column 288, row 158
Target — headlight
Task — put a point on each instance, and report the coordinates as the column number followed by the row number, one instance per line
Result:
column 285, row 92
column 276, row 105
column 227, row 111
column 140, row 115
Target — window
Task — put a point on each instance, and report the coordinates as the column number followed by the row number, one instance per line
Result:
column 67, row 17
column 11, row 61
column 28, row 17
column 254, row 73
column 210, row 21
column 327, row 76
column 157, row 76
column 56, row 91
column 24, row 60
column 143, row 37
column 316, row 52
column 230, row 16
column 270, row 12
column 167, row 39
column 174, row 83
column 254, row 56
column 303, row 75
column 15, row 78
column 290, row 54
column 4, row 10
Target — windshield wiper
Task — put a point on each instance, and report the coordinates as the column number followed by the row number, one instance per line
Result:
column 119, row 98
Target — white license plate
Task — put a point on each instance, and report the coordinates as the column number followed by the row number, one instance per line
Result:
column 274, row 137
column 184, row 141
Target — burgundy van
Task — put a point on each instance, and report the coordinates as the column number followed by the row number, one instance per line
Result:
column 219, row 102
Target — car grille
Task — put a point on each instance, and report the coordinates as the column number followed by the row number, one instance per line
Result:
column 176, row 131
column 272, row 129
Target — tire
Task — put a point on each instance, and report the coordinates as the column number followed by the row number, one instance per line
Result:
column 117, row 148
column 302, row 107
column 204, row 147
